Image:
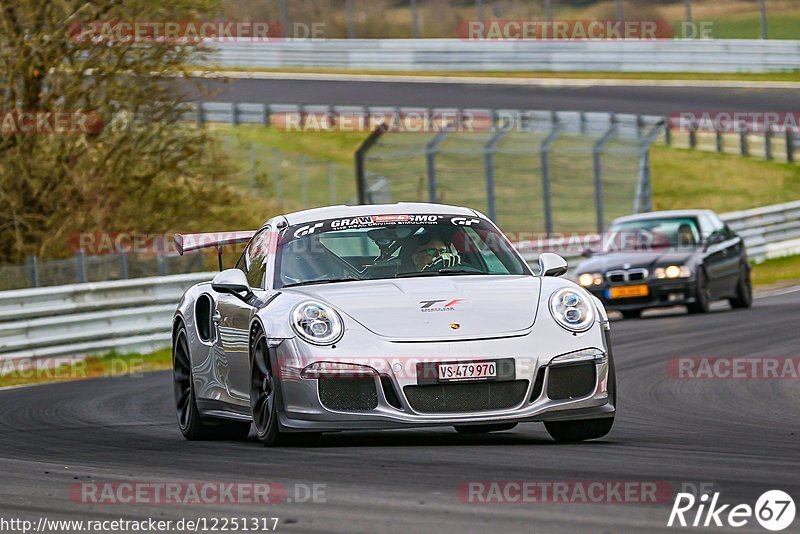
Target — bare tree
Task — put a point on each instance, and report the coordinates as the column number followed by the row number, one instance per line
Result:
column 133, row 163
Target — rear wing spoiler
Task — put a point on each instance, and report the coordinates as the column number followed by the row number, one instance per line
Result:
column 191, row 242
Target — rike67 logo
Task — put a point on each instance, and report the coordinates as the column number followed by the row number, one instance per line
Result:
column 774, row 510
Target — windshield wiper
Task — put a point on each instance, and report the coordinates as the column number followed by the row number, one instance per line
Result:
column 323, row 281
column 446, row 271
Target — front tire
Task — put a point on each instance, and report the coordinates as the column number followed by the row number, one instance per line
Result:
column 191, row 423
column 744, row 291
column 702, row 296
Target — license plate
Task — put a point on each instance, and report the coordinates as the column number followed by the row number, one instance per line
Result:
column 467, row 371
column 624, row 292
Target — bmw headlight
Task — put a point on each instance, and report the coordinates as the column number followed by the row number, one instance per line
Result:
column 317, row 323
column 590, row 279
column 572, row 310
column 673, row 271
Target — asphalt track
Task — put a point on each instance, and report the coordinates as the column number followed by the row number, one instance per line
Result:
column 657, row 100
column 741, row 435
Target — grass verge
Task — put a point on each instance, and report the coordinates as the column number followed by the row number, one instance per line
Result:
column 779, row 271
column 67, row 368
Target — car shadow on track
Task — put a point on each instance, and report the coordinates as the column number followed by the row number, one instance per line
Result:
column 429, row 438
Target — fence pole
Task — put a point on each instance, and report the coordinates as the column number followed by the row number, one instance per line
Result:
column 282, row 17
column 768, row 143
column 720, row 142
column 351, row 23
column 360, row 157
column 693, row 133
column 744, row 150
column 161, row 261
column 763, row 9
column 644, row 193
column 33, row 271
column 430, row 156
column 234, row 114
column 200, row 114
column 597, row 153
column 789, row 145
column 123, row 267
column 253, row 181
column 80, row 266
column 488, row 159
column 479, row 9
column 265, row 115
column 688, row 4
column 548, row 9
column 619, row 10
column 544, row 154
column 414, row 20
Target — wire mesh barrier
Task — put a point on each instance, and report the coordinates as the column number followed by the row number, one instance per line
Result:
column 96, row 268
column 532, row 171
column 296, row 181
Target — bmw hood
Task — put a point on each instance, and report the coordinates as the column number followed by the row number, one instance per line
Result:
column 639, row 259
column 436, row 307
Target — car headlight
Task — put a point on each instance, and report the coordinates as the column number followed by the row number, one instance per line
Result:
column 673, row 271
column 317, row 323
column 572, row 310
column 590, row 279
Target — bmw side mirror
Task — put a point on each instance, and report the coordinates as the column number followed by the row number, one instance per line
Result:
column 552, row 265
column 714, row 238
column 232, row 282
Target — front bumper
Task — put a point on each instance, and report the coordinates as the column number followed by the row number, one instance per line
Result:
column 662, row 294
column 302, row 407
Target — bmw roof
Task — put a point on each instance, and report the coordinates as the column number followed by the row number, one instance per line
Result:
column 661, row 215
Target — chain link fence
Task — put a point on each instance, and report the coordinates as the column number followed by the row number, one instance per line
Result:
column 532, row 171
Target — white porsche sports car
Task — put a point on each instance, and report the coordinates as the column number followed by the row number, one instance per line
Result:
column 387, row 316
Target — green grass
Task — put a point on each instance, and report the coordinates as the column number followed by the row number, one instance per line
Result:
column 777, row 271
column 29, row 372
column 789, row 76
column 685, row 178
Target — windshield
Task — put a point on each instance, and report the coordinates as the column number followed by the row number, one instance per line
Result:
column 680, row 233
column 392, row 246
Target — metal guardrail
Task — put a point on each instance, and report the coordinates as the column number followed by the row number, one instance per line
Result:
column 93, row 318
column 134, row 315
column 667, row 55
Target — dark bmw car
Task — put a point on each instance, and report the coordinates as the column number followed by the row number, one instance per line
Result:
column 667, row 258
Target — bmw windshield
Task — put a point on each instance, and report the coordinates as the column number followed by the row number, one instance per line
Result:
column 380, row 247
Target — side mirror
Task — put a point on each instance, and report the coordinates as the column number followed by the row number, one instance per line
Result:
column 233, row 282
column 714, row 238
column 552, row 265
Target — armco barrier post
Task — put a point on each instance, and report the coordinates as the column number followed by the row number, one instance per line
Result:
column 123, row 266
